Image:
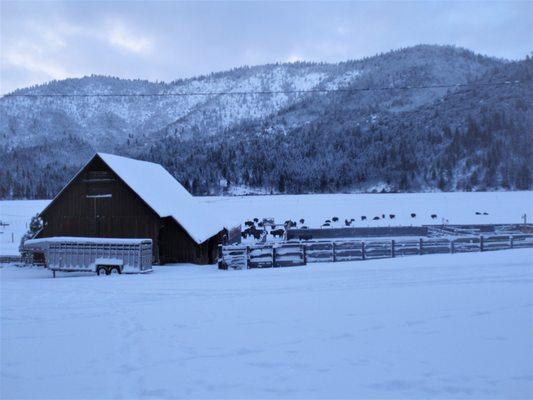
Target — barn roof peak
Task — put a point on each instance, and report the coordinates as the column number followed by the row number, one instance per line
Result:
column 165, row 195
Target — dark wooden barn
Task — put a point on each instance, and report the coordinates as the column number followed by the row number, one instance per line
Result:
column 119, row 197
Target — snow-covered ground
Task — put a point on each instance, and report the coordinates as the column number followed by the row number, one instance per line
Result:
column 441, row 326
column 456, row 208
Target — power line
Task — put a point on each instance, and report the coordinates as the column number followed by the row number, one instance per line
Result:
column 270, row 92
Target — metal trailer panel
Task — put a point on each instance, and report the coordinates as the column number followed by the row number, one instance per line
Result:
column 85, row 254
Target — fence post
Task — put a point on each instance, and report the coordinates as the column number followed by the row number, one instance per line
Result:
column 452, row 246
column 420, row 247
column 247, row 257
column 333, row 250
column 221, row 264
column 362, row 250
column 392, row 253
column 304, row 251
column 481, row 243
column 511, row 240
column 273, row 256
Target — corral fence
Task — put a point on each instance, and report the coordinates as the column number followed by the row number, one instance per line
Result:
column 296, row 253
column 10, row 259
column 346, row 232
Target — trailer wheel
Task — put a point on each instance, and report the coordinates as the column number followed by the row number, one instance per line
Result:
column 114, row 270
column 102, row 270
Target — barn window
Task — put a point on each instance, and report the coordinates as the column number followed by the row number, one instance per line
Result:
column 99, row 184
column 99, row 176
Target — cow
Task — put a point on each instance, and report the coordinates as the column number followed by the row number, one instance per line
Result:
column 277, row 232
column 478, row 213
column 413, row 215
column 433, row 216
column 335, row 219
column 347, row 223
column 375, row 218
column 252, row 231
column 302, row 221
column 485, row 213
column 249, row 223
column 392, row 216
column 363, row 217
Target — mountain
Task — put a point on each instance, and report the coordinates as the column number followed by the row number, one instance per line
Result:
column 296, row 128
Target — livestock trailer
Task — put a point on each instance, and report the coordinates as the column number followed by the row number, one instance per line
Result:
column 101, row 255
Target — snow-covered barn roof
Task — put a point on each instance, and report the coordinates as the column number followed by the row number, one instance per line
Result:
column 165, row 195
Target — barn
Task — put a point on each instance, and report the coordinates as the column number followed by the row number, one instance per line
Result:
column 119, row 197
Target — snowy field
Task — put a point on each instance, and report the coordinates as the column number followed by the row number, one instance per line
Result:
column 455, row 208
column 440, row 326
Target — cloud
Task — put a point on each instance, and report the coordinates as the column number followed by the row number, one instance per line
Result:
column 31, row 60
column 38, row 53
column 119, row 35
column 162, row 40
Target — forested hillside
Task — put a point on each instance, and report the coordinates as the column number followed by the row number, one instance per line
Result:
column 334, row 138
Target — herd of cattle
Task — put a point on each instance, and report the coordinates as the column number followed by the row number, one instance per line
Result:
column 258, row 229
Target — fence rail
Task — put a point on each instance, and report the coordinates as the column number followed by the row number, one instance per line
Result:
column 10, row 259
column 296, row 253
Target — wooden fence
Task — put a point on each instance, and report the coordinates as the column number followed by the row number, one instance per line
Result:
column 10, row 259
column 291, row 253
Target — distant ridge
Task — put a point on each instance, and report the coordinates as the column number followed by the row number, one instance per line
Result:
column 464, row 138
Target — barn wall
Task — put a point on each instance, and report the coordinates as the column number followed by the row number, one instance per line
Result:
column 177, row 246
column 79, row 211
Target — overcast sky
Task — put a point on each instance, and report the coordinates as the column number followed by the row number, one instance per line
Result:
column 41, row 41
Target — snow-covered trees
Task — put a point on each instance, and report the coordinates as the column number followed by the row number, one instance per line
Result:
column 35, row 226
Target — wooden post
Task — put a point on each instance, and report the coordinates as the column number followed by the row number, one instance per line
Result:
column 247, row 257
column 54, row 273
column 481, row 243
column 333, row 251
column 362, row 250
column 274, row 256
column 511, row 241
column 219, row 255
column 420, row 247
column 452, row 246
column 304, row 251
column 392, row 253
